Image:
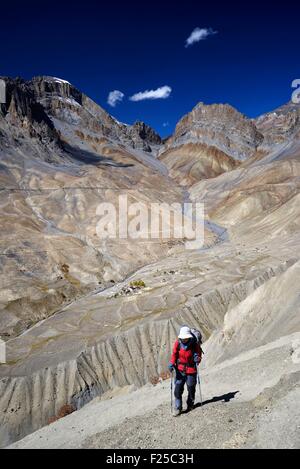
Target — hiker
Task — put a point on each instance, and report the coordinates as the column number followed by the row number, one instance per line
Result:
column 185, row 358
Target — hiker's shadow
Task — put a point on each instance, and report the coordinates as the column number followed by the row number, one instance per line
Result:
column 225, row 397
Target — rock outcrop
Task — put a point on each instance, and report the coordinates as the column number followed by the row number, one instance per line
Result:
column 49, row 105
column 23, row 111
column 208, row 141
column 280, row 126
column 143, row 137
column 221, row 126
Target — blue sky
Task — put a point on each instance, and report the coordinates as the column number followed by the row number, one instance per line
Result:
column 248, row 56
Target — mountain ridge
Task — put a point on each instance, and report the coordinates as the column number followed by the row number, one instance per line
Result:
column 68, row 311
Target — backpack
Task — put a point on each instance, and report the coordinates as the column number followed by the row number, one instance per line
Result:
column 197, row 335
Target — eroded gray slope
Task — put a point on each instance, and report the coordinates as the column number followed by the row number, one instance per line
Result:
column 71, row 358
column 242, row 398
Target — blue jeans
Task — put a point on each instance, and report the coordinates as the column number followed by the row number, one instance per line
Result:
column 191, row 381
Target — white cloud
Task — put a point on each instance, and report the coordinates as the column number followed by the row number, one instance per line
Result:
column 115, row 97
column 166, row 124
column 199, row 34
column 161, row 93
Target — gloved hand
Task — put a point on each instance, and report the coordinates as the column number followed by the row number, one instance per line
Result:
column 171, row 367
column 197, row 359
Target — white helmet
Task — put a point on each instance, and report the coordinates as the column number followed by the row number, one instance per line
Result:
column 185, row 333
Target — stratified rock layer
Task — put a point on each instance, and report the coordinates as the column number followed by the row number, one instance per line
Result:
column 209, row 141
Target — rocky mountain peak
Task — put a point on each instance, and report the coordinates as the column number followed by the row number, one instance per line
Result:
column 146, row 132
column 143, row 136
column 221, row 126
column 24, row 112
column 52, row 107
column 280, row 125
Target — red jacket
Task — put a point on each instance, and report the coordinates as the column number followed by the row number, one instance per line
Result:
column 184, row 360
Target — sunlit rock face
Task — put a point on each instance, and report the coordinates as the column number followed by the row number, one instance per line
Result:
column 209, row 141
column 61, row 156
column 85, row 120
column 219, row 125
column 53, row 106
column 280, row 126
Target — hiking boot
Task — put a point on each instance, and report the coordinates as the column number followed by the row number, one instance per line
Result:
column 176, row 412
column 190, row 407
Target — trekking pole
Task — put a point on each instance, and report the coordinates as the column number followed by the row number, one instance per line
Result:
column 171, row 391
column 199, row 384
